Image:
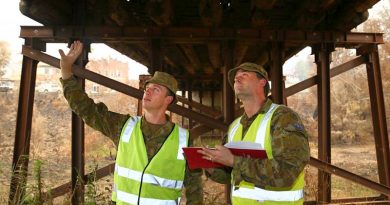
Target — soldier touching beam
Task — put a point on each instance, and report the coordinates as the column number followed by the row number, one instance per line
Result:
column 150, row 167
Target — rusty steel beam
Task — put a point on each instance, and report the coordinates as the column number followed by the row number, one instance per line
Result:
column 67, row 187
column 228, row 98
column 123, row 88
column 104, row 34
column 378, row 115
column 23, row 125
column 362, row 200
column 331, row 169
column 277, row 73
column 322, row 59
column 77, row 126
column 188, row 86
column 204, row 108
column 78, row 136
column 333, row 72
column 156, row 58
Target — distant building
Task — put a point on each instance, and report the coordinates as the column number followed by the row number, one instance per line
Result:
column 111, row 68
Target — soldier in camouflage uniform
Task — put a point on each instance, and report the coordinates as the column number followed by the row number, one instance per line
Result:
column 279, row 179
column 154, row 124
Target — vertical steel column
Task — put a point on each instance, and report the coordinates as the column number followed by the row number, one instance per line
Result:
column 322, row 59
column 79, row 12
column 189, row 90
column 156, row 60
column 139, row 101
column 23, row 125
column 78, row 136
column 284, row 87
column 212, row 97
column 142, row 80
column 277, row 56
column 228, row 98
column 183, row 94
column 378, row 115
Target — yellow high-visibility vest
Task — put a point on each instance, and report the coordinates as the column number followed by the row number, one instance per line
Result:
column 247, row 193
column 140, row 181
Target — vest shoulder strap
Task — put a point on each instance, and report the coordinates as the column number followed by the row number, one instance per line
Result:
column 128, row 128
column 261, row 132
column 183, row 142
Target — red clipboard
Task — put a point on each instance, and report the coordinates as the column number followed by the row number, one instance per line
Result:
column 195, row 160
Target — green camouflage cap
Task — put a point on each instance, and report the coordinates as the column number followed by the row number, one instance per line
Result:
column 249, row 67
column 164, row 79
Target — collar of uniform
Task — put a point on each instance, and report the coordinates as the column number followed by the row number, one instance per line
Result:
column 264, row 109
column 145, row 122
column 150, row 129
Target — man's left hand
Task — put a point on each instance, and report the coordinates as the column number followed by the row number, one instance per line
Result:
column 220, row 155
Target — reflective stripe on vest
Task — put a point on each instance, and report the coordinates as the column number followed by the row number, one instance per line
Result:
column 256, row 193
column 261, row 132
column 266, row 195
column 133, row 121
column 129, row 128
column 182, row 143
column 148, row 178
column 133, row 199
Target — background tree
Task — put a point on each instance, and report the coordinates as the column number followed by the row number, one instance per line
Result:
column 5, row 56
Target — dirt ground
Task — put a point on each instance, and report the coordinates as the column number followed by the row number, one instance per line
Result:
column 50, row 143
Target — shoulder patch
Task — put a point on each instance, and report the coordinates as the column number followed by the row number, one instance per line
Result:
column 299, row 127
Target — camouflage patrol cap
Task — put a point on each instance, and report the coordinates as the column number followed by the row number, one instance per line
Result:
column 165, row 80
column 249, row 67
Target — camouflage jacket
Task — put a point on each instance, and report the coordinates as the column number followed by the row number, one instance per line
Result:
column 97, row 116
column 290, row 149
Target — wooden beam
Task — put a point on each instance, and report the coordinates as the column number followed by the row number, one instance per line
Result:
column 210, row 12
column 214, row 50
column 263, row 57
column 175, row 54
column 263, row 4
column 240, row 50
column 118, row 14
column 258, row 8
column 160, row 12
column 191, row 55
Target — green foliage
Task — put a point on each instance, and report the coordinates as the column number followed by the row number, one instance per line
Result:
column 35, row 195
column 91, row 192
